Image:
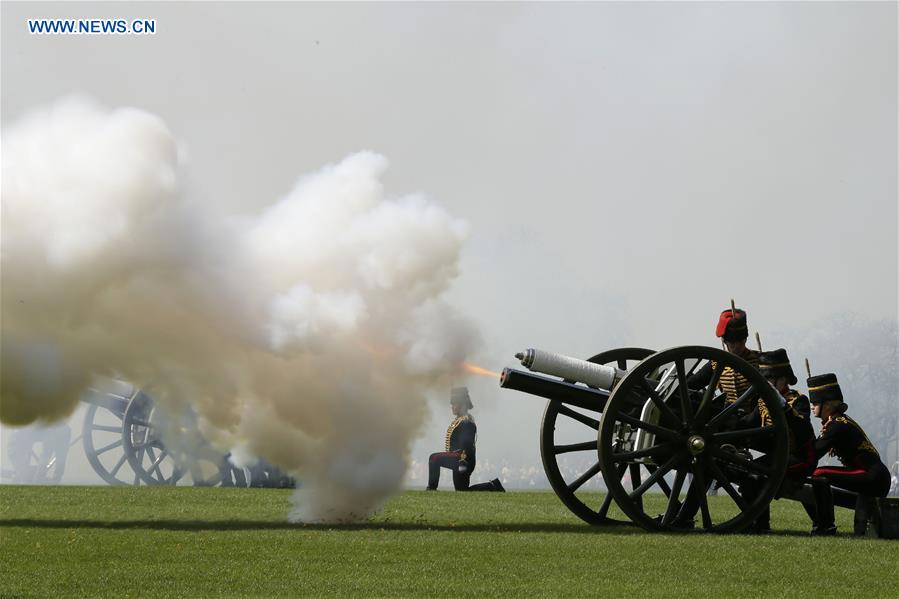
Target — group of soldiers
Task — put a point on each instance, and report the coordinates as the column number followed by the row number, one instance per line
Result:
column 862, row 475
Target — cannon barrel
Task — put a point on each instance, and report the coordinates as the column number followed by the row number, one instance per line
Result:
column 568, row 368
column 567, row 393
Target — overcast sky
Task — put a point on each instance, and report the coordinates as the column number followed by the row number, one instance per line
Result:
column 625, row 169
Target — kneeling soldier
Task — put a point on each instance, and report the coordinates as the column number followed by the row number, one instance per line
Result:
column 775, row 367
column 460, row 448
column 862, row 471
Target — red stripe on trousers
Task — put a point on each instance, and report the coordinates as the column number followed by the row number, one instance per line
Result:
column 826, row 471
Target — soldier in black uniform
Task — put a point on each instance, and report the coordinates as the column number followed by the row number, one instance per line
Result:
column 459, row 454
column 733, row 330
column 775, row 367
column 862, row 471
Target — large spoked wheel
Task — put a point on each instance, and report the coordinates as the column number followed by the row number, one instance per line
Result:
column 187, row 460
column 101, row 434
column 697, row 438
column 571, row 467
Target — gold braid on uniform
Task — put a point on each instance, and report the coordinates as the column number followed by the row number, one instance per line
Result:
column 734, row 384
column 449, row 431
column 844, row 420
column 791, row 397
column 866, row 444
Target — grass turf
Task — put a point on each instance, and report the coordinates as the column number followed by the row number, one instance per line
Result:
column 164, row 541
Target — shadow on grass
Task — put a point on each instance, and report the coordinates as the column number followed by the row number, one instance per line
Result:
column 226, row 525
column 618, row 528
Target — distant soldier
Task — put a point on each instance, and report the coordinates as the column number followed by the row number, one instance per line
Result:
column 733, row 330
column 775, row 367
column 862, row 471
column 459, row 454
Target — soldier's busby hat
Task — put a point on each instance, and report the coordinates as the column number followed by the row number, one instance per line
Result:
column 732, row 325
column 775, row 364
column 823, row 387
column 459, row 395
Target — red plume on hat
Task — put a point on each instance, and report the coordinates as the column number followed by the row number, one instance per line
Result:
column 732, row 324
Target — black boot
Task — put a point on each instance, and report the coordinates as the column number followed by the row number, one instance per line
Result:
column 864, row 509
column 811, row 511
column 762, row 524
column 498, row 486
column 824, row 523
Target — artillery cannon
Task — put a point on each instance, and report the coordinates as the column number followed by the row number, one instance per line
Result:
column 124, row 442
column 659, row 442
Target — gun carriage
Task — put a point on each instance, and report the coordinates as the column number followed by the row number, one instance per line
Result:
column 129, row 439
column 123, row 441
column 658, row 443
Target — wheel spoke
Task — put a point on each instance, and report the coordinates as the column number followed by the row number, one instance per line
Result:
column 685, row 405
column 118, row 464
column 640, row 453
column 582, row 418
column 657, row 430
column 661, row 405
column 717, row 371
column 722, row 416
column 106, row 427
column 579, row 482
column 741, row 461
column 176, row 476
column 108, row 447
column 585, row 446
column 701, row 488
column 652, row 478
column 743, row 432
column 156, row 462
column 663, row 484
column 607, row 500
column 674, row 497
column 727, row 486
column 634, row 470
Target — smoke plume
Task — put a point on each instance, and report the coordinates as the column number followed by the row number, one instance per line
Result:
column 307, row 335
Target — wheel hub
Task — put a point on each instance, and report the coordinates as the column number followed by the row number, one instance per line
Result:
column 696, row 444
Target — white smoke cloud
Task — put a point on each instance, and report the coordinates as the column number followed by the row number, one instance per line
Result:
column 307, row 335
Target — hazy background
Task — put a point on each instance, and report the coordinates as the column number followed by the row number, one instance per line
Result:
column 625, row 169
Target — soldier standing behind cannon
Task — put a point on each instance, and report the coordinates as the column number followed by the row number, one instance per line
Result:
column 459, row 455
column 733, row 330
column 862, row 472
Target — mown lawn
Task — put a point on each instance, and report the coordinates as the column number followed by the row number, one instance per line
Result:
column 188, row 542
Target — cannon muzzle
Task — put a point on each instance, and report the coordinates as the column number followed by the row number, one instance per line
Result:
column 561, row 391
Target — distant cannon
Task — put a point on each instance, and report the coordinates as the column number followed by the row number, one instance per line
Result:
column 651, row 435
column 125, row 443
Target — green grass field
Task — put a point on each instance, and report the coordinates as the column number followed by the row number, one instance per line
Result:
column 187, row 542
